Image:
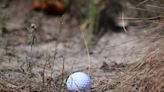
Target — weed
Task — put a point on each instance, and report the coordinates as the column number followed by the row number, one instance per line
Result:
column 30, row 62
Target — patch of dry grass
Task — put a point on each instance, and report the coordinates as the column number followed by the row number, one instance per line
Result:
column 146, row 75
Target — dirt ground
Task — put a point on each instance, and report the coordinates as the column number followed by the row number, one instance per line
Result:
column 59, row 50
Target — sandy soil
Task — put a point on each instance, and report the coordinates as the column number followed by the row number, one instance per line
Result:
column 54, row 47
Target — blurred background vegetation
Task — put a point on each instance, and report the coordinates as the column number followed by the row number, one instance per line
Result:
column 96, row 16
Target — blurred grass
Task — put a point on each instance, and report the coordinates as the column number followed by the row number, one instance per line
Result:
column 93, row 16
column 3, row 20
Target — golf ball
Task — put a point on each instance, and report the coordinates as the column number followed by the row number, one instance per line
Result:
column 78, row 81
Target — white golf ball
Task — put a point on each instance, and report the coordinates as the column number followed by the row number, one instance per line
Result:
column 78, row 81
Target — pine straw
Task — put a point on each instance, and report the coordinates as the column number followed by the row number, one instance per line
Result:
column 146, row 75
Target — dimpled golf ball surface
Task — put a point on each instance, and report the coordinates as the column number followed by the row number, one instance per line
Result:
column 78, row 81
